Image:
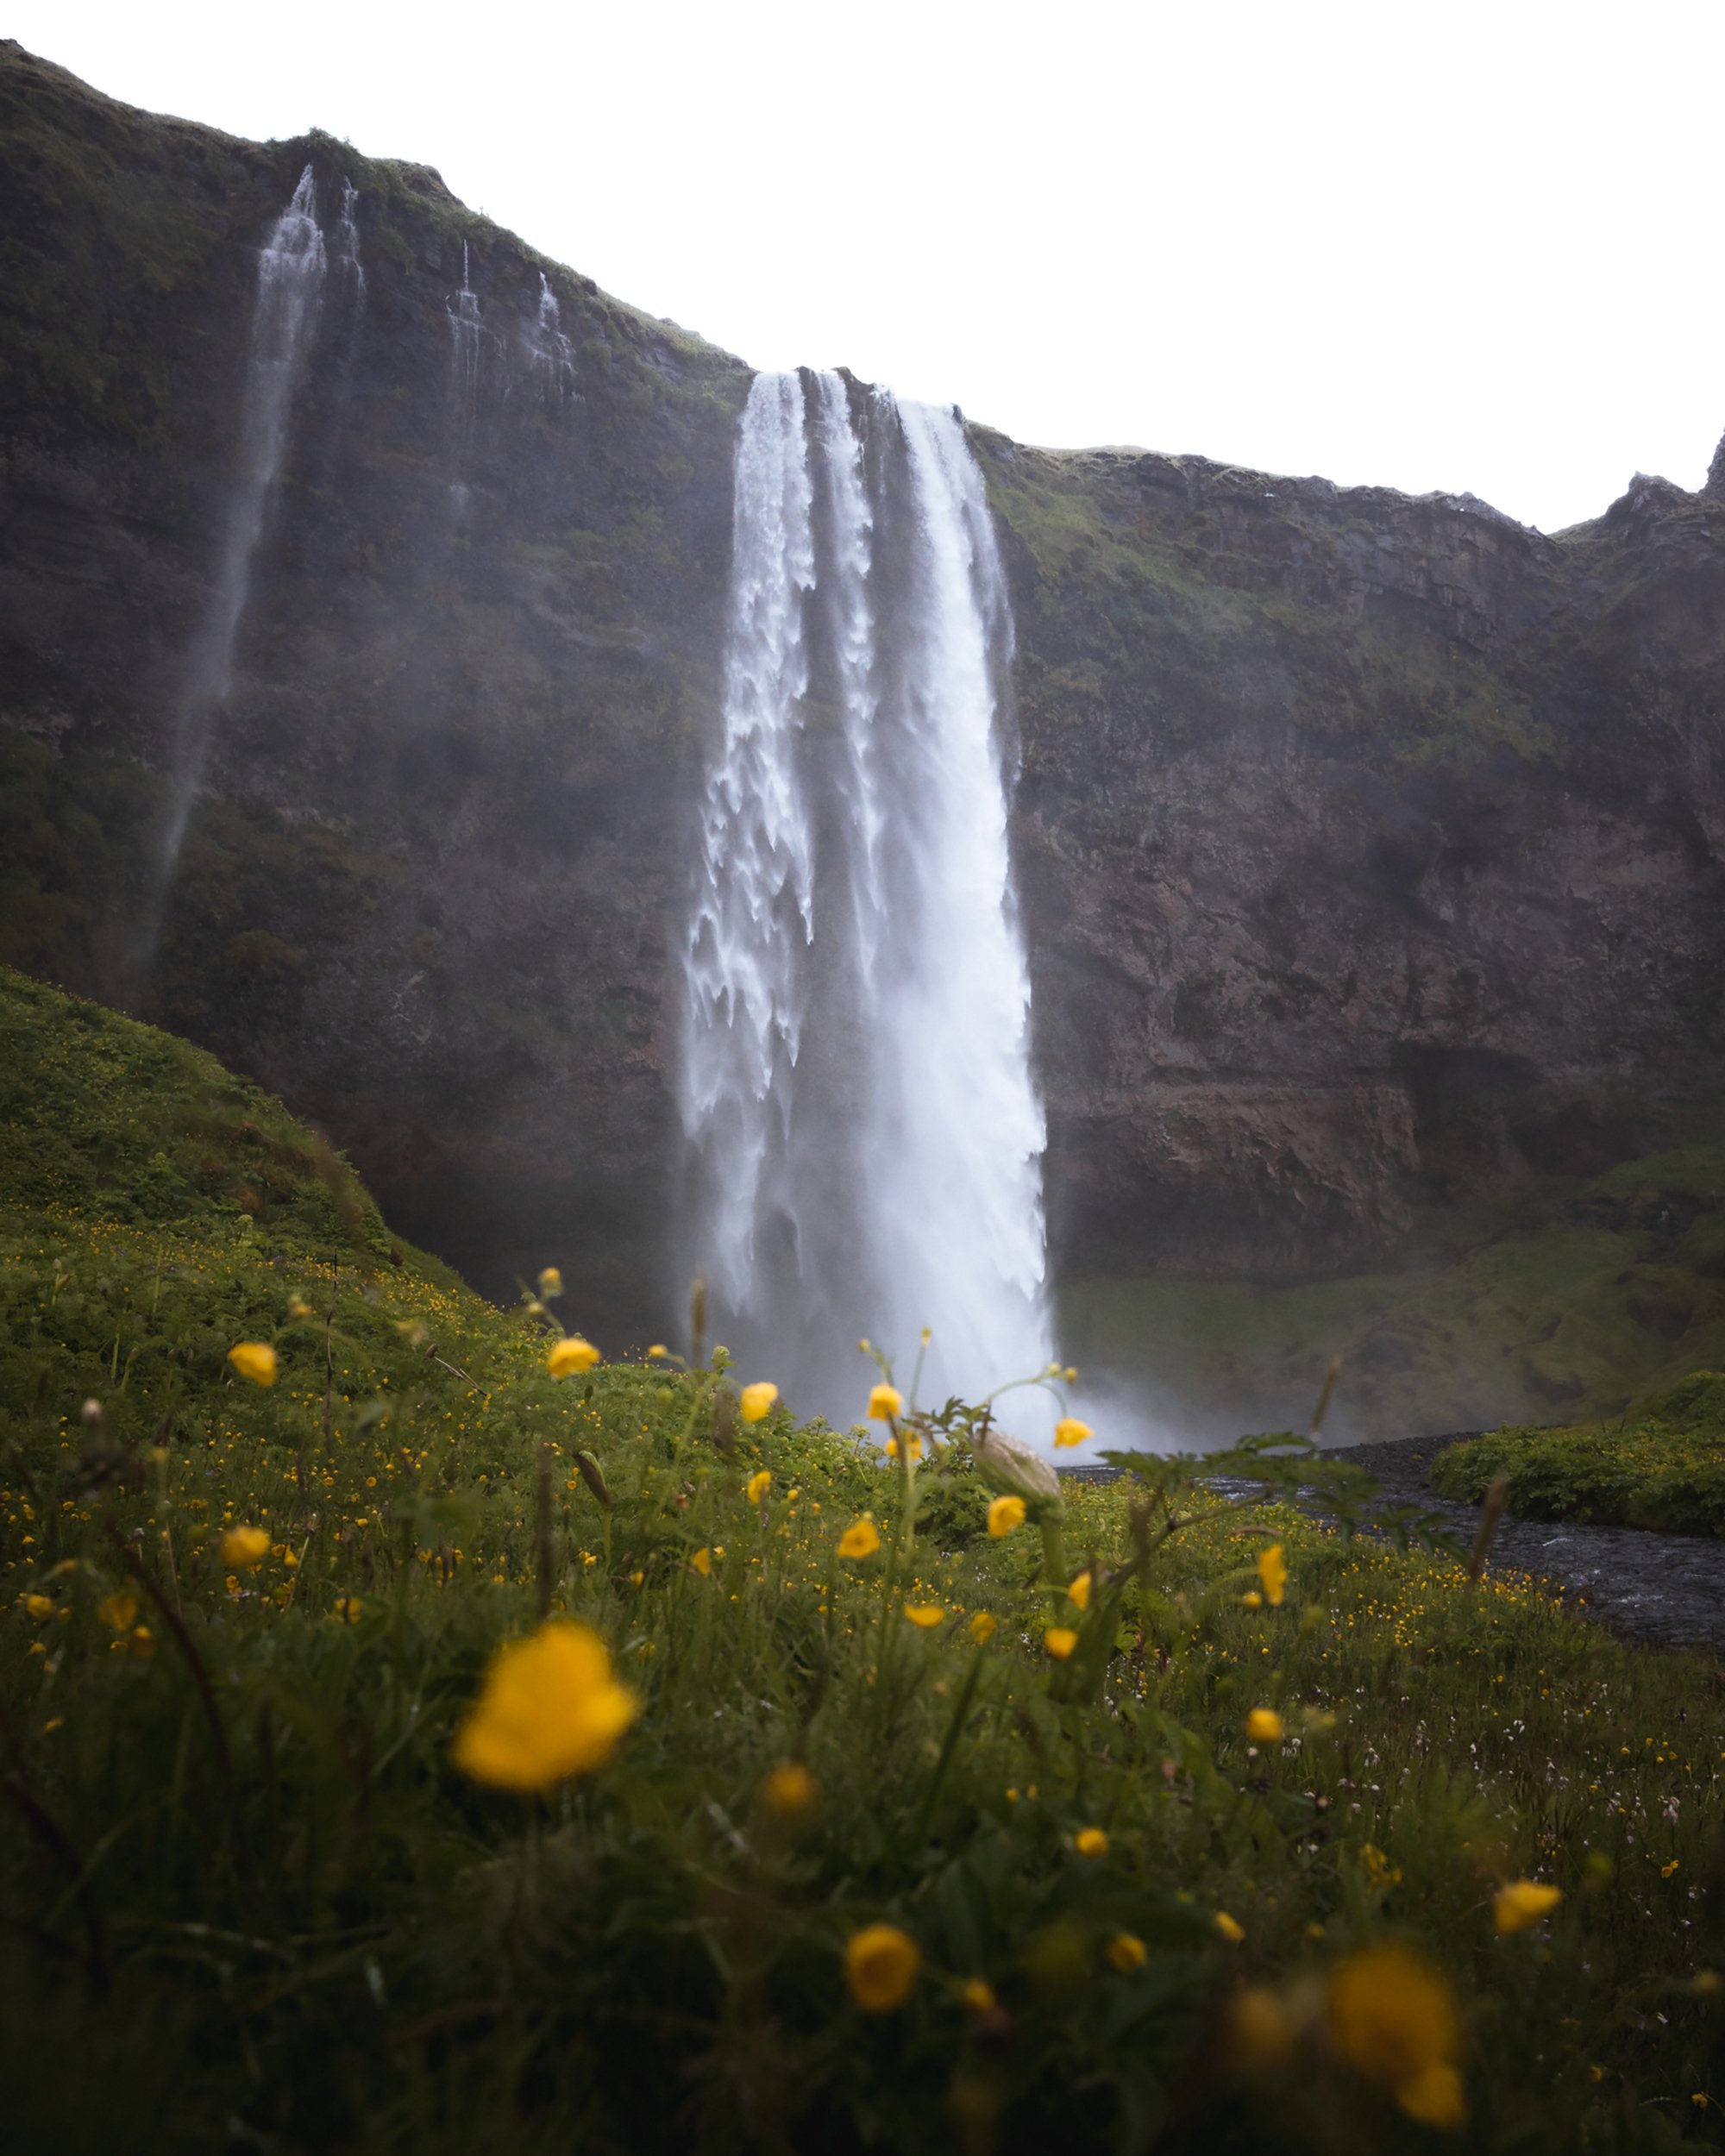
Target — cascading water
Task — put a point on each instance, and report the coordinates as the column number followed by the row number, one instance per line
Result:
column 467, row 336
column 346, row 244
column 866, row 1140
column 549, row 354
column 290, row 272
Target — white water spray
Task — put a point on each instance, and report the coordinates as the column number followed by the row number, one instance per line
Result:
column 856, row 1079
column 345, row 245
column 467, row 336
column 549, row 354
column 290, row 271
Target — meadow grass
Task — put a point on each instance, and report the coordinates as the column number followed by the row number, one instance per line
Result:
column 250, row 1899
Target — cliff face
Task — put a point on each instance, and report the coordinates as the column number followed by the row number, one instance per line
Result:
column 1369, row 847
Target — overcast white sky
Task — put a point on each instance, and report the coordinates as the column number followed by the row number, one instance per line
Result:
column 1446, row 244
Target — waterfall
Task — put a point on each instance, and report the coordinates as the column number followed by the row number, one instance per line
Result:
column 550, row 355
column 345, row 245
column 290, row 270
column 466, row 333
column 865, row 1139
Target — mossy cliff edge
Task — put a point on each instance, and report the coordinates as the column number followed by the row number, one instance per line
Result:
column 1369, row 847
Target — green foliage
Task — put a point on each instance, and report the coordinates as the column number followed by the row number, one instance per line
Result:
column 1662, row 1465
column 252, row 1900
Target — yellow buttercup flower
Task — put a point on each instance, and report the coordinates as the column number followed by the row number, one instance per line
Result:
column 758, row 1484
column 1272, row 1570
column 1125, row 1950
column 1004, row 1515
column 927, row 1615
column 1264, row 1725
column 243, row 1547
column 298, row 1306
column 567, row 1356
column 1251, row 1598
column 1059, row 1642
column 1079, row 1592
column 1230, row 1927
column 702, row 1562
column 755, row 1400
column 859, row 1539
column 882, row 1963
column 41, row 1607
column 884, row 1402
column 1090, row 1842
column 978, row 1995
column 143, row 1643
column 790, row 1791
column 1069, row 1430
column 255, row 1359
column 550, row 1709
column 1391, row 2016
column 982, row 1627
column 1260, row 2029
column 550, row 1284
column 1522, row 1902
column 118, row 1610
column 657, row 1353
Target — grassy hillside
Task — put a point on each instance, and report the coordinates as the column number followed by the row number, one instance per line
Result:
column 819, row 1833
column 1563, row 1301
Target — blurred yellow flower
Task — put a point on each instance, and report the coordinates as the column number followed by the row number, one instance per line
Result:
column 348, row 1608
column 1251, row 1598
column 39, row 1606
column 1069, row 1430
column 143, row 1643
column 1090, row 1842
column 571, row 1355
column 1522, row 1902
column 1272, row 1570
column 978, row 1995
column 1264, row 1725
column 657, row 1353
column 755, row 1400
column 859, row 1539
column 790, row 1791
column 927, row 1615
column 118, row 1610
column 1230, row 1927
column 1125, row 1950
column 884, row 1402
column 1059, row 1642
column 551, row 1283
column 1260, row 2029
column 1079, row 1592
column 702, row 1562
column 551, row 1709
column 982, row 1627
column 881, row 1966
column 1004, row 1515
column 1391, row 2016
column 758, row 1484
column 298, row 1306
column 255, row 1359
column 243, row 1547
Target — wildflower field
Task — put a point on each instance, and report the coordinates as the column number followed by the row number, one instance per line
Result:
column 1661, row 1465
column 423, row 1732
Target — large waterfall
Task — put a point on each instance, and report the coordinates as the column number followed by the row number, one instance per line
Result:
column 867, row 1143
column 290, row 271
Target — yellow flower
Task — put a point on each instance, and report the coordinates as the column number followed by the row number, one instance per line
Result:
column 884, row 1402
column 702, row 1562
column 1264, row 1725
column 1069, row 1430
column 244, row 1547
column 41, row 1607
column 1059, row 1642
column 982, row 1627
column 143, row 1643
column 978, row 1993
column 551, row 1283
column 758, row 1484
column 551, row 1709
column 571, row 1355
column 1230, row 1927
column 790, row 1791
column 1272, row 1570
column 118, row 1610
column 298, row 1306
column 1391, row 2016
column 1091, row 1842
column 1079, row 1592
column 1004, row 1515
column 1260, row 2029
column 755, row 1400
column 1251, row 1598
column 1126, row 1952
column 255, row 1359
column 657, row 1353
column 349, row 1607
column 859, row 1539
column 1522, row 1902
column 927, row 1615
column 881, row 1966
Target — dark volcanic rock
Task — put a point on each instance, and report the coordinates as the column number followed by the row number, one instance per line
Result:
column 1369, row 847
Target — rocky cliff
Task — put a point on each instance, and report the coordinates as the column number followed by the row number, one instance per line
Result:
column 1369, row 847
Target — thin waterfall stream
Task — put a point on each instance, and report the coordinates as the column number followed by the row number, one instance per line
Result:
column 865, row 1138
